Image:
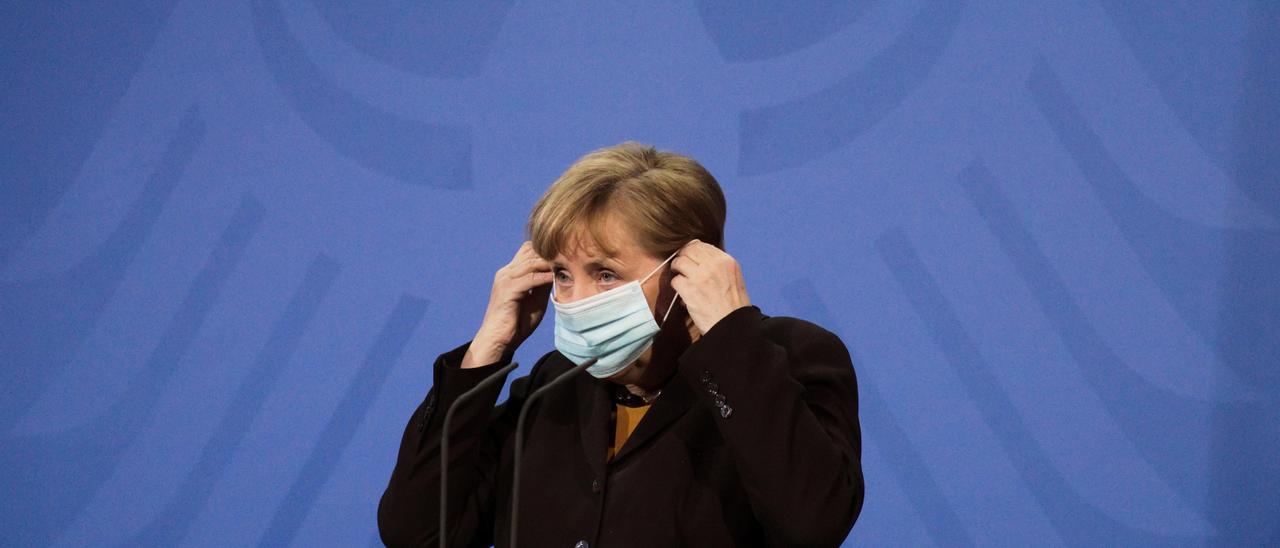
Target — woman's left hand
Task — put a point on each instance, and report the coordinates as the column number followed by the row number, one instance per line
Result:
column 709, row 282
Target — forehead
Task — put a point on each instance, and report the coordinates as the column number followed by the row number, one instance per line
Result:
column 608, row 242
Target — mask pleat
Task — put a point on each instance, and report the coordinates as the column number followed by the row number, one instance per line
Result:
column 614, row 327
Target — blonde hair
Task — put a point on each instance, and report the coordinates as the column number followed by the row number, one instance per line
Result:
column 664, row 198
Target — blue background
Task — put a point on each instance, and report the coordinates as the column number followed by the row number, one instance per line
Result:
column 233, row 236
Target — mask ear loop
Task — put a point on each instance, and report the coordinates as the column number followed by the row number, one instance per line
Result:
column 656, row 268
column 673, row 299
column 669, row 307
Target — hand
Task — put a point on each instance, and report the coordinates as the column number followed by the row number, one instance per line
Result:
column 517, row 303
column 709, row 282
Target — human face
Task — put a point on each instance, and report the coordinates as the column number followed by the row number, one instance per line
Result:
column 585, row 269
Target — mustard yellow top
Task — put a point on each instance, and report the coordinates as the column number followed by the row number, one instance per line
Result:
column 624, row 423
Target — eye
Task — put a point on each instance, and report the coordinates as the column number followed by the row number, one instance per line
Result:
column 562, row 277
column 606, row 277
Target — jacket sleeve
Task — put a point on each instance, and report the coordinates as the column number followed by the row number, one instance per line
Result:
column 408, row 513
column 787, row 408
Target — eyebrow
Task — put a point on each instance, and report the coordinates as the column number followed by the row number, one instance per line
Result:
column 595, row 265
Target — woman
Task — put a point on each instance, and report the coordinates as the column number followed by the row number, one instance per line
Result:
column 703, row 422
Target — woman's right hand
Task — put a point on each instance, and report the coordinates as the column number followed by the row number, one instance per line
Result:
column 517, row 303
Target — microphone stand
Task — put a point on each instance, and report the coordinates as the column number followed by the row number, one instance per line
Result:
column 519, row 450
column 444, row 444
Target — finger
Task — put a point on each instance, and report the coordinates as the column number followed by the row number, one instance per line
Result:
column 526, row 250
column 541, row 288
column 683, row 265
column 538, row 263
column 529, row 264
column 539, row 275
column 679, row 283
column 539, row 293
column 686, row 253
column 703, row 252
column 519, row 256
column 530, row 281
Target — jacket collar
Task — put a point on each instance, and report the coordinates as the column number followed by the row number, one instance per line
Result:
column 675, row 400
column 595, row 404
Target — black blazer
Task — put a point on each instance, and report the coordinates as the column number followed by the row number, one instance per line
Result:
column 754, row 442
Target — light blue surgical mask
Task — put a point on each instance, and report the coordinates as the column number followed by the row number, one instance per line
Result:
column 614, row 326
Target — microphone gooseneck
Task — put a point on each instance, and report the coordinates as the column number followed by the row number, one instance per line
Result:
column 519, row 449
column 444, row 444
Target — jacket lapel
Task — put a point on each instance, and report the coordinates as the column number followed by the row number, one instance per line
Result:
column 675, row 400
column 595, row 403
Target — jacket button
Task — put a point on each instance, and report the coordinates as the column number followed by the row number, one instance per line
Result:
column 582, row 544
column 595, row 486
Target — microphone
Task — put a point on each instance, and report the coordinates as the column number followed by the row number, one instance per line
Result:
column 528, row 404
column 444, row 444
